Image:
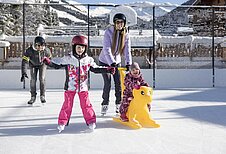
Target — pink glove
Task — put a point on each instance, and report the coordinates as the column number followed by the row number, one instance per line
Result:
column 111, row 70
column 46, row 60
column 130, row 98
column 137, row 87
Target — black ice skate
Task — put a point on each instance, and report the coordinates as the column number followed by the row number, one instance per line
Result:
column 42, row 98
column 117, row 109
column 104, row 109
column 32, row 100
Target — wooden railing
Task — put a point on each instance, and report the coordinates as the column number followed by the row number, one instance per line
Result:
column 144, row 55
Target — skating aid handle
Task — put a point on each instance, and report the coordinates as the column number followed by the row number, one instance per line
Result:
column 122, row 76
column 122, row 68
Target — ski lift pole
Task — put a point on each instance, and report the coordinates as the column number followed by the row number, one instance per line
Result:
column 88, row 48
column 213, row 49
column 153, row 46
column 24, row 36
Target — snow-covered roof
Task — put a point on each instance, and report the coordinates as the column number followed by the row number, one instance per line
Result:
column 12, row 1
column 175, row 39
column 141, row 41
column 136, row 40
column 63, row 14
column 206, row 41
column 146, row 32
column 19, row 1
column 95, row 41
column 184, row 29
column 4, row 44
column 141, row 38
column 99, row 11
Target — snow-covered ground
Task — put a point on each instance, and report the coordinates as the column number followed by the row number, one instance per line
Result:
column 193, row 121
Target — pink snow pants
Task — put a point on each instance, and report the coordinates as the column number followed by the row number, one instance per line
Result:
column 86, row 106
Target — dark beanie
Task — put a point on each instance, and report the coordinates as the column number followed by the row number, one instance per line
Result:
column 134, row 65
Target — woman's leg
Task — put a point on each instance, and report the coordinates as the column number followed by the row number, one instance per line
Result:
column 107, row 86
column 117, row 87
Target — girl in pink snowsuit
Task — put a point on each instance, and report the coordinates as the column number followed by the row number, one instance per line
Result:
column 77, row 66
column 133, row 79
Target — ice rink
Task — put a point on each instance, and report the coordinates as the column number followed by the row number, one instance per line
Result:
column 193, row 121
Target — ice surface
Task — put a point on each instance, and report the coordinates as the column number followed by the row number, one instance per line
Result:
column 193, row 121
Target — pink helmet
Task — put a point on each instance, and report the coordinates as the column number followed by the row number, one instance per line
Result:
column 80, row 40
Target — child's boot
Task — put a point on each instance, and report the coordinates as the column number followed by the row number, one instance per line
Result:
column 60, row 128
column 92, row 126
column 123, row 117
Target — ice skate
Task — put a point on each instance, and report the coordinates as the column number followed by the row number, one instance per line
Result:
column 60, row 128
column 104, row 109
column 117, row 109
column 32, row 100
column 92, row 126
column 42, row 98
column 123, row 118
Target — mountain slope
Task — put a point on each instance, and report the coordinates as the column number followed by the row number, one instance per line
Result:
column 70, row 13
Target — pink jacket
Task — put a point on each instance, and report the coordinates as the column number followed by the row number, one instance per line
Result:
column 130, row 83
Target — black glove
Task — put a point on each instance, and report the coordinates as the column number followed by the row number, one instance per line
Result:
column 127, row 68
column 113, row 65
column 24, row 75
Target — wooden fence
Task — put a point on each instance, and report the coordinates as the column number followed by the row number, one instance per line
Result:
column 143, row 55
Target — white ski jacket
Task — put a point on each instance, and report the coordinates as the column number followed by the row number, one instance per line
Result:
column 77, row 71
